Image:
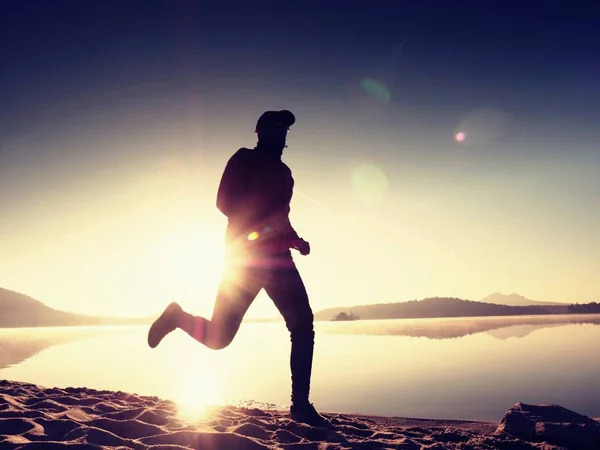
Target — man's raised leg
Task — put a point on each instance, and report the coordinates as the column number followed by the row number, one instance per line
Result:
column 237, row 290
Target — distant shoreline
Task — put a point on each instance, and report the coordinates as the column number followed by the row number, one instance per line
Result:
column 280, row 320
column 20, row 311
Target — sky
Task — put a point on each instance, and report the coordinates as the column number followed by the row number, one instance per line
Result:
column 439, row 150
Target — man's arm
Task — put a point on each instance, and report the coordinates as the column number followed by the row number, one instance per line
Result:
column 293, row 235
column 289, row 190
column 231, row 185
column 295, row 241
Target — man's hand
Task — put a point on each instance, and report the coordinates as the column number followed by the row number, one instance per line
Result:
column 302, row 246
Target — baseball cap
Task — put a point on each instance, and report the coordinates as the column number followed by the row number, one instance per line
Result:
column 284, row 117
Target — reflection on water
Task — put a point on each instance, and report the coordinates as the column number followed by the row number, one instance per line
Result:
column 444, row 368
column 19, row 344
column 501, row 327
column 519, row 331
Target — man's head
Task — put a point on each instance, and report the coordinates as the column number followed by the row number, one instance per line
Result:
column 273, row 126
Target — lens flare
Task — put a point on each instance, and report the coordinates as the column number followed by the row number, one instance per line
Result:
column 253, row 236
column 376, row 89
column 370, row 183
column 482, row 127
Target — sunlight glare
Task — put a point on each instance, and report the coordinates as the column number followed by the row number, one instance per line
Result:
column 184, row 264
column 184, row 250
column 197, row 391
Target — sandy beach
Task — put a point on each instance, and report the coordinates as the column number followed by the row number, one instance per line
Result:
column 37, row 417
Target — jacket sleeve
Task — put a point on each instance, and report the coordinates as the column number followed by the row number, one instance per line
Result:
column 291, row 234
column 229, row 194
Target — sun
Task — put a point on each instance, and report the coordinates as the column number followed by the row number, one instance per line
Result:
column 192, row 247
column 183, row 255
column 182, row 263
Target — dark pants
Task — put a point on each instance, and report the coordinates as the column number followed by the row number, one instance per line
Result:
column 242, row 280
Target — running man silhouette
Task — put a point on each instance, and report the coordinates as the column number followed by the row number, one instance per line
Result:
column 254, row 194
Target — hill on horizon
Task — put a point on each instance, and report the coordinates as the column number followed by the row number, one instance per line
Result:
column 438, row 307
column 20, row 310
column 514, row 299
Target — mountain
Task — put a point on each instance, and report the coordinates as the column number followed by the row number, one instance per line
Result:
column 516, row 300
column 19, row 310
column 437, row 307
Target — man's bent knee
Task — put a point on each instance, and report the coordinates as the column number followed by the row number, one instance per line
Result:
column 219, row 343
column 220, row 338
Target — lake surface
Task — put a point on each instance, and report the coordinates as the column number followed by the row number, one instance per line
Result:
column 473, row 368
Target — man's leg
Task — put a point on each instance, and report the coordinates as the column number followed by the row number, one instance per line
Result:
column 238, row 288
column 287, row 290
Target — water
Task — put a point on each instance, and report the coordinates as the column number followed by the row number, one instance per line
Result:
column 472, row 368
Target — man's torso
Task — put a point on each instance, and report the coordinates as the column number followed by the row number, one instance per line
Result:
column 260, row 219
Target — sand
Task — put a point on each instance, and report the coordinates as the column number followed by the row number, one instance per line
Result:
column 35, row 417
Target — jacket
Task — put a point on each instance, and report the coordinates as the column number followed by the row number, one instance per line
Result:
column 254, row 194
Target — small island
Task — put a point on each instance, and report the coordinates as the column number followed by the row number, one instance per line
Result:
column 344, row 317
